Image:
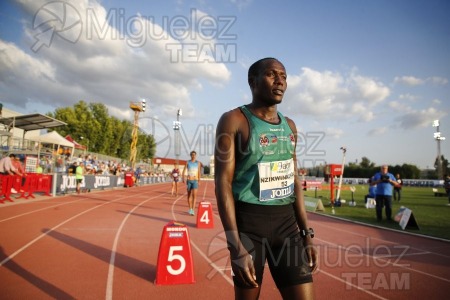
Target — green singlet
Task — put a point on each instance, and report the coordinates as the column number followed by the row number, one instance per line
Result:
column 265, row 175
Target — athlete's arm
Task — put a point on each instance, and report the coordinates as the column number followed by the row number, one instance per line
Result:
column 225, row 161
column 184, row 172
column 299, row 205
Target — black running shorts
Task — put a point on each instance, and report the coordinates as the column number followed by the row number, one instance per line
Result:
column 270, row 233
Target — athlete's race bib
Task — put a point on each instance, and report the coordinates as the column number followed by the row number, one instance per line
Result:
column 276, row 179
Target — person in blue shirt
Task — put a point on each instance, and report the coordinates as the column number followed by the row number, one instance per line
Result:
column 385, row 182
column 371, row 192
column 137, row 175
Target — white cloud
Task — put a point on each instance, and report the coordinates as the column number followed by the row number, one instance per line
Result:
column 415, row 81
column 396, row 105
column 438, row 80
column 361, row 110
column 241, row 4
column 334, row 133
column 408, row 80
column 436, row 101
column 408, row 97
column 409, row 117
column 333, row 95
column 419, row 118
column 378, row 131
column 101, row 66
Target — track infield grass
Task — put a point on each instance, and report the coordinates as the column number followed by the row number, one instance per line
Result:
column 431, row 213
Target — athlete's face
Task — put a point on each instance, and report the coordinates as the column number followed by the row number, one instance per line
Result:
column 270, row 84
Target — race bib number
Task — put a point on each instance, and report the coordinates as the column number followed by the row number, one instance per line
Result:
column 276, row 179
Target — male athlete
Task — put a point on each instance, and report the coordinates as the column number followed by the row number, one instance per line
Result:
column 193, row 168
column 259, row 193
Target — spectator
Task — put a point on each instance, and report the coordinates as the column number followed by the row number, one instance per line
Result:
column 371, row 192
column 79, row 174
column 383, row 197
column 19, row 167
column 38, row 169
column 137, row 174
column 6, row 165
column 72, row 168
column 447, row 186
column 398, row 188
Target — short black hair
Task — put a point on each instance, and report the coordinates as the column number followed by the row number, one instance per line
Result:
column 255, row 68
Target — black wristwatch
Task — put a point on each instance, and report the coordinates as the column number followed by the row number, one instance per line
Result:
column 304, row 233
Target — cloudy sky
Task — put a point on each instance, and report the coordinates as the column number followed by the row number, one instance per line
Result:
column 368, row 75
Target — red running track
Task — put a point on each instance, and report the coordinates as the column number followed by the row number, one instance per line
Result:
column 104, row 245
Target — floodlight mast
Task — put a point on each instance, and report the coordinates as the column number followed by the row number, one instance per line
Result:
column 137, row 107
column 176, row 128
column 438, row 138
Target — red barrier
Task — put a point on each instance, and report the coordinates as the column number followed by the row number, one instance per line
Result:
column 31, row 183
column 44, row 184
column 17, row 185
column 6, row 182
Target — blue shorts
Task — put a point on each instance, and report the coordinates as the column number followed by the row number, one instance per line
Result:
column 270, row 233
column 192, row 184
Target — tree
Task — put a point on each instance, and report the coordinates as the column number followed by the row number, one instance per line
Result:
column 101, row 132
column 366, row 163
column 102, row 142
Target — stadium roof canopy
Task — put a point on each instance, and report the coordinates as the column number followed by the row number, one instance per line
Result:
column 31, row 122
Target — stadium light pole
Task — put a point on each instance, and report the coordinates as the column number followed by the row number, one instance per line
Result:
column 438, row 138
column 338, row 194
column 176, row 128
column 87, row 144
column 137, row 107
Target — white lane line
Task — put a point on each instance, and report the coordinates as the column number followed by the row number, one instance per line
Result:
column 212, row 264
column 38, row 210
column 378, row 239
column 204, row 190
column 352, row 285
column 394, row 264
column 20, row 250
column 110, row 279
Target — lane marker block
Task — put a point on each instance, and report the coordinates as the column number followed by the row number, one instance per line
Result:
column 175, row 265
column 205, row 217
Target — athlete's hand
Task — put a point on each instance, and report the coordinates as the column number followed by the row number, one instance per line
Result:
column 311, row 254
column 244, row 270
